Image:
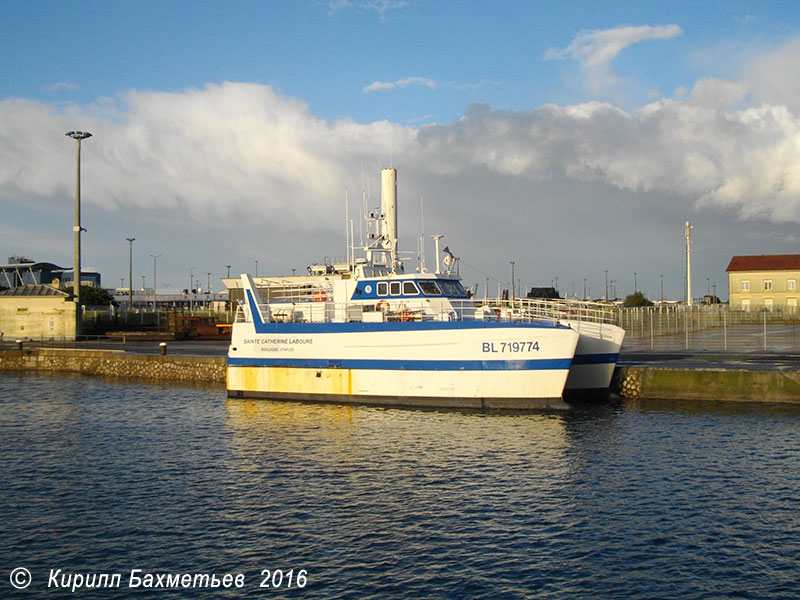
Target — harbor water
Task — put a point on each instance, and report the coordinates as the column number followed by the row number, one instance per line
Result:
column 635, row 501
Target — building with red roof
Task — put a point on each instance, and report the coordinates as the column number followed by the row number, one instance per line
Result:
column 765, row 281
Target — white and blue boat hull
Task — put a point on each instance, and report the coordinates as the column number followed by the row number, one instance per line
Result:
column 437, row 364
column 595, row 358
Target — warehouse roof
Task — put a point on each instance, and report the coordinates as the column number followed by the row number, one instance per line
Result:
column 33, row 290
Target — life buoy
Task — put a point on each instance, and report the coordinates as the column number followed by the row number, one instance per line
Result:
column 382, row 305
column 320, row 296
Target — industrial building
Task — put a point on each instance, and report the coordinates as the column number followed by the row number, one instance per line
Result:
column 36, row 311
column 24, row 271
column 32, row 303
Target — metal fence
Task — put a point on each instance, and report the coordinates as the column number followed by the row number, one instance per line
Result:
column 709, row 328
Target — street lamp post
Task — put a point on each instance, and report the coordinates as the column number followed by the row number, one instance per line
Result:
column 512, row 283
column 229, row 270
column 76, row 269
column 130, row 273
column 688, row 263
column 189, row 291
column 154, row 257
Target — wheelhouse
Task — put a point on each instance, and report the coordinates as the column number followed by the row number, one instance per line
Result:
column 414, row 288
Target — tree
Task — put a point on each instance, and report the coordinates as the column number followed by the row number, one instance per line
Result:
column 637, row 299
column 96, row 296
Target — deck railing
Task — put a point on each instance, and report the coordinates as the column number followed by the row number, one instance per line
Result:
column 315, row 305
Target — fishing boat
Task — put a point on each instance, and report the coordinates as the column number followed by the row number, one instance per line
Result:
column 365, row 331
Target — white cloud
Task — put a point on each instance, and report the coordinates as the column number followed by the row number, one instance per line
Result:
column 381, row 7
column 219, row 152
column 379, row 86
column 63, row 86
column 595, row 50
column 773, row 77
column 234, row 149
column 718, row 93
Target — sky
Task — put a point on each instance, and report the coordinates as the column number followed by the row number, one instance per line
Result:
column 574, row 139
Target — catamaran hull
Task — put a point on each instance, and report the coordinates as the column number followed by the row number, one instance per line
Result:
column 595, row 358
column 414, row 388
column 452, row 365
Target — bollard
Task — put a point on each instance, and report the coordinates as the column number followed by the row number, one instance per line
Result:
column 19, row 344
column 163, row 346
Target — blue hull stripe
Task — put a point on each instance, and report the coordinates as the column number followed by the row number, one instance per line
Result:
column 595, row 359
column 554, row 364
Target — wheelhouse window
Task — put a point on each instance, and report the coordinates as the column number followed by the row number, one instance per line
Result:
column 429, row 288
column 383, row 288
column 410, row 288
column 452, row 289
column 394, row 288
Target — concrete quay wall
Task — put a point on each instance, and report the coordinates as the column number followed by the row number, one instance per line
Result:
column 724, row 384
column 110, row 363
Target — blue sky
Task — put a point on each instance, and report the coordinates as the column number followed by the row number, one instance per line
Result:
column 570, row 137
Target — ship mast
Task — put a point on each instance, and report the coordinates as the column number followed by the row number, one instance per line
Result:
column 389, row 215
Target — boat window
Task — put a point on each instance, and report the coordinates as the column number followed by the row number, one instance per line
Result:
column 383, row 288
column 452, row 289
column 429, row 288
column 394, row 288
column 410, row 288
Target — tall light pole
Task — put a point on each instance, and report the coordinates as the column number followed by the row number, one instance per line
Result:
column 189, row 291
column 130, row 273
column 76, row 268
column 606, row 296
column 154, row 257
column 688, row 263
column 512, row 283
column 229, row 270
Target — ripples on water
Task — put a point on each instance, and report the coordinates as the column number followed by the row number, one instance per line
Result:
column 645, row 501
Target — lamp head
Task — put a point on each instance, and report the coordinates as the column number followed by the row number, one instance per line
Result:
column 79, row 135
